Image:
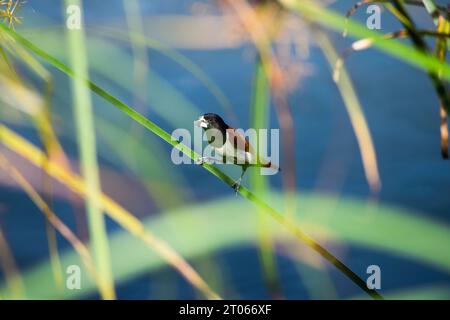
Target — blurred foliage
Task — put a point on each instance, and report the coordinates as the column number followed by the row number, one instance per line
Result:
column 222, row 222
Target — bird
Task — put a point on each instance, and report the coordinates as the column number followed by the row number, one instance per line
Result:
column 232, row 146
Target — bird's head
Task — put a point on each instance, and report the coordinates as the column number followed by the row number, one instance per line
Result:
column 211, row 121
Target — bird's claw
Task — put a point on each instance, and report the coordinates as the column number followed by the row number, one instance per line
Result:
column 199, row 161
column 236, row 186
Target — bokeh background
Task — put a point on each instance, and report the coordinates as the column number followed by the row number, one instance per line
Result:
column 173, row 61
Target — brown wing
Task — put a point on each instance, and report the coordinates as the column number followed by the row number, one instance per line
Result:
column 238, row 140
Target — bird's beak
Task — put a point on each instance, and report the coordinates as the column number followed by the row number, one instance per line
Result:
column 201, row 122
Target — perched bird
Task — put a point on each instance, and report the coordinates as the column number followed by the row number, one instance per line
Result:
column 232, row 146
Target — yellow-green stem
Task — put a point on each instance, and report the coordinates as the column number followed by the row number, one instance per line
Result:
column 88, row 156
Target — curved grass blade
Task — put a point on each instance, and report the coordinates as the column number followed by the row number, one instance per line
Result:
column 124, row 218
column 288, row 223
column 147, row 163
column 436, row 69
column 177, row 57
column 365, row 44
column 430, row 5
column 441, row 52
column 357, row 118
column 139, row 53
column 164, row 98
column 421, row 45
column 335, row 21
column 384, row 229
column 53, row 219
column 157, row 176
column 38, row 110
column 433, row 10
column 12, row 275
column 259, row 110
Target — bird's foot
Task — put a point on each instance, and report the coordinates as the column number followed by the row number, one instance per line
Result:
column 236, row 186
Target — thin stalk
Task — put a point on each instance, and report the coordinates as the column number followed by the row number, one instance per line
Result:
column 88, row 154
column 441, row 52
column 356, row 114
column 420, row 56
column 182, row 60
column 433, row 10
column 124, row 218
column 442, row 24
column 421, row 45
column 12, row 274
column 288, row 223
column 259, row 110
column 263, row 43
column 55, row 259
column 335, row 21
column 429, row 5
column 42, row 121
column 139, row 52
column 50, row 216
column 5, row 58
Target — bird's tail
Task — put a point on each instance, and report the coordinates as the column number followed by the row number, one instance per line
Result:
column 272, row 166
